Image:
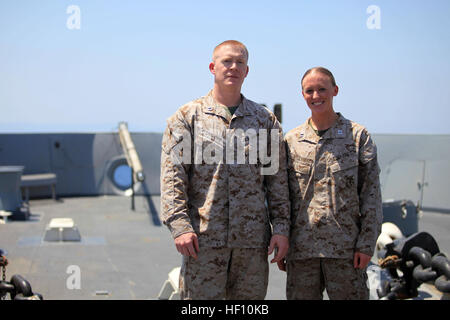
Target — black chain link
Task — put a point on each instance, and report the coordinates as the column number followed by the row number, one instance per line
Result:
column 3, row 264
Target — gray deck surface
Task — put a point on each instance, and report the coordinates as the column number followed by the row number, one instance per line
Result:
column 123, row 254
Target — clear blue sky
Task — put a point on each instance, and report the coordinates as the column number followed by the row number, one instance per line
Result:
column 138, row 61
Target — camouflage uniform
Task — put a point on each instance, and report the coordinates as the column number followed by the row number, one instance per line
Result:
column 225, row 273
column 224, row 204
column 306, row 280
column 335, row 196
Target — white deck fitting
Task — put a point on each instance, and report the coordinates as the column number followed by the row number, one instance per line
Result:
column 169, row 289
column 62, row 229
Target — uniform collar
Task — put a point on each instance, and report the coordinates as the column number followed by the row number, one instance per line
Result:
column 211, row 106
column 338, row 131
column 245, row 108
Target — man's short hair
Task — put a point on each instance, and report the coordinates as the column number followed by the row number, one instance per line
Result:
column 321, row 70
column 231, row 43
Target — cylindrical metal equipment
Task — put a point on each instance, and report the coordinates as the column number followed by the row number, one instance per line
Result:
column 130, row 152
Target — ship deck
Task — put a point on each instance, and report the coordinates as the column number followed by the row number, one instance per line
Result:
column 123, row 254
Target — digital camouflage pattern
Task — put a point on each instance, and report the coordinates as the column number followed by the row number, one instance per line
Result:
column 225, row 273
column 307, row 279
column 334, row 191
column 223, row 202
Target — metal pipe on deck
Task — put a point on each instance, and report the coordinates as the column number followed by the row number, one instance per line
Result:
column 137, row 173
column 130, row 152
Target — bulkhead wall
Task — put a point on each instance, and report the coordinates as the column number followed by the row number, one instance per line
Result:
column 83, row 162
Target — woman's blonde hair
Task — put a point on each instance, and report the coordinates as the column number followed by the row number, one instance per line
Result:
column 322, row 70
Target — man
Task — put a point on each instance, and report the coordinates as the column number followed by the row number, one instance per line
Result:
column 335, row 198
column 213, row 203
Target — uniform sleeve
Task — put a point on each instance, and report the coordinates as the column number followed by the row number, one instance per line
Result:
column 175, row 178
column 278, row 190
column 370, row 202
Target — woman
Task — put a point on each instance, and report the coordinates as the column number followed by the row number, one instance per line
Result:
column 336, row 207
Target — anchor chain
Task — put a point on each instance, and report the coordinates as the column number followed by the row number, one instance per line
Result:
column 17, row 287
column 3, row 264
column 420, row 261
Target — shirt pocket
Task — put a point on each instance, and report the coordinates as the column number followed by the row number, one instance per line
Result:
column 344, row 168
column 344, row 182
column 209, row 143
column 302, row 169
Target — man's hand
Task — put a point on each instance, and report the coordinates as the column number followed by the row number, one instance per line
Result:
column 187, row 244
column 361, row 260
column 281, row 245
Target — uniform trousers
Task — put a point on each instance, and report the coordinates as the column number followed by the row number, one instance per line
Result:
column 307, row 279
column 225, row 273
